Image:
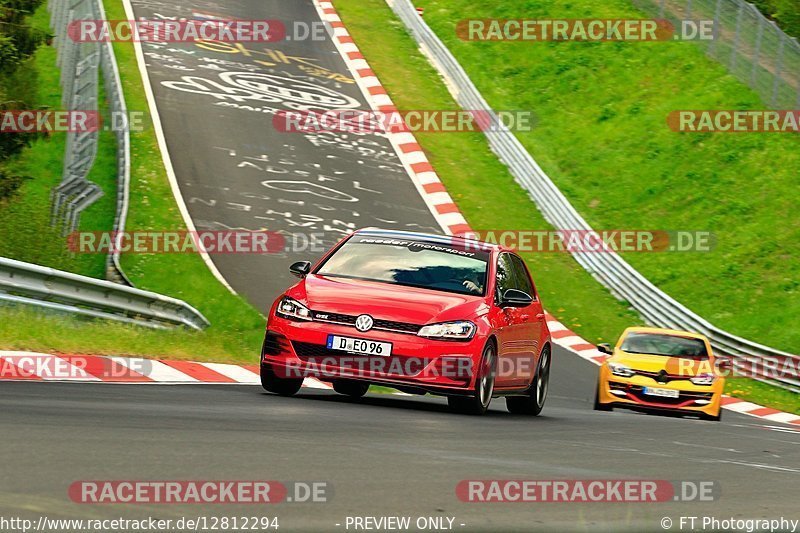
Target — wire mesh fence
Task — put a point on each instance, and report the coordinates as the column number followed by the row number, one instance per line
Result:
column 752, row 47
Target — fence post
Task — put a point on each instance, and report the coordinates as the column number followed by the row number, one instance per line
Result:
column 778, row 66
column 735, row 47
column 688, row 9
column 715, row 33
column 661, row 9
column 757, row 52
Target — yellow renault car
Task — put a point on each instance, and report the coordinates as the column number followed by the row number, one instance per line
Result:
column 660, row 369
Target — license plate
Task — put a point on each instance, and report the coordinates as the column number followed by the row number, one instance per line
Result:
column 664, row 393
column 363, row 346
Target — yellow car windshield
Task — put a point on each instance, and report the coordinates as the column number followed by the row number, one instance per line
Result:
column 666, row 345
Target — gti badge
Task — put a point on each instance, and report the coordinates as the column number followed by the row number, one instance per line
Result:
column 364, row 323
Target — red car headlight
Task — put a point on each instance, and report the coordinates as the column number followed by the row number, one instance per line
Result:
column 461, row 330
column 292, row 309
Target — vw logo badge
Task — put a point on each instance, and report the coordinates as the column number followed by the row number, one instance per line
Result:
column 364, row 323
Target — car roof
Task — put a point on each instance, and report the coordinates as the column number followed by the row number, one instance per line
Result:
column 426, row 237
column 664, row 331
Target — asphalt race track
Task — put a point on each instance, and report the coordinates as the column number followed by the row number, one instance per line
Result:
column 237, row 171
column 386, row 454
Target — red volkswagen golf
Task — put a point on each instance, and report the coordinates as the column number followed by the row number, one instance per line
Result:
column 417, row 312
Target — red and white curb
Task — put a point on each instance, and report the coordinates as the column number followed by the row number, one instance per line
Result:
column 33, row 366
column 446, row 212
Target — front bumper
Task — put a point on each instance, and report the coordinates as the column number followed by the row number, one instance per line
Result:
column 299, row 349
column 629, row 392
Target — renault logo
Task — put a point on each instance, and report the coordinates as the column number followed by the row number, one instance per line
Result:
column 364, row 323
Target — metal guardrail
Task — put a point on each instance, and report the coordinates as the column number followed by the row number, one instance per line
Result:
column 79, row 63
column 625, row 283
column 25, row 283
column 57, row 290
column 116, row 99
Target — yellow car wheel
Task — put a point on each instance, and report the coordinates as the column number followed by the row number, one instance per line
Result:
column 601, row 406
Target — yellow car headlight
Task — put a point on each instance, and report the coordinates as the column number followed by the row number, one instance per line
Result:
column 618, row 369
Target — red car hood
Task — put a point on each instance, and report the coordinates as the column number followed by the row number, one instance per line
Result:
column 384, row 300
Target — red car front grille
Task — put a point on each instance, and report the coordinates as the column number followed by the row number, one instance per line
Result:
column 350, row 320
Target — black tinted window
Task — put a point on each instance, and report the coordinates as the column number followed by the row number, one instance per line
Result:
column 505, row 273
column 412, row 263
column 523, row 281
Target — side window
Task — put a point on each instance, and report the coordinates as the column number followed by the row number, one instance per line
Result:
column 505, row 273
column 523, row 280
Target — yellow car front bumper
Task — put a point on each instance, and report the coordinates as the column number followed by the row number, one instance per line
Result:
column 630, row 392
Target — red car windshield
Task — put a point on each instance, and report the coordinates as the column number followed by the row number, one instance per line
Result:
column 411, row 263
column 667, row 345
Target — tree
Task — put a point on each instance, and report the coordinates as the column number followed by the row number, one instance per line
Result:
column 18, row 41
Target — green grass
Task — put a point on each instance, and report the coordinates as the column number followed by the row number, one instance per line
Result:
column 585, row 156
column 602, row 137
column 26, row 328
column 25, row 218
column 763, row 394
column 236, row 329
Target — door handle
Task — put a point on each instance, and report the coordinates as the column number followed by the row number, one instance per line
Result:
column 540, row 316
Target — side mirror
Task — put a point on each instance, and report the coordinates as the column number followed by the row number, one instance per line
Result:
column 515, row 298
column 300, row 269
column 605, row 348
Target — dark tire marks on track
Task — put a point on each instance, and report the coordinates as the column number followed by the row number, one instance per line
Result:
column 235, row 170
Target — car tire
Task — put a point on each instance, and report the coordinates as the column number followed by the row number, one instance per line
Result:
column 282, row 386
column 354, row 389
column 601, row 406
column 533, row 402
column 478, row 402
